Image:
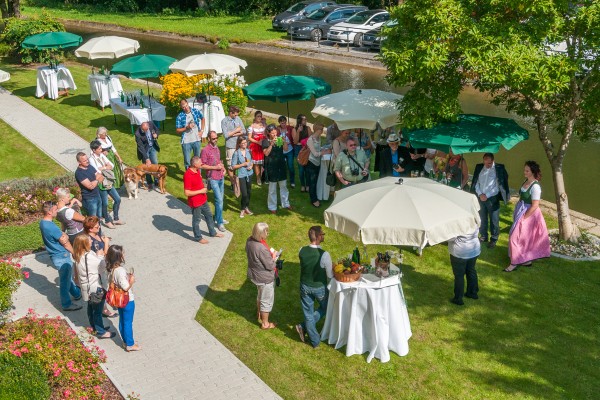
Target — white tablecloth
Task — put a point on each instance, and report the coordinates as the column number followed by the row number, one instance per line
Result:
column 49, row 81
column 367, row 316
column 104, row 88
column 136, row 114
column 323, row 188
column 4, row 76
column 212, row 111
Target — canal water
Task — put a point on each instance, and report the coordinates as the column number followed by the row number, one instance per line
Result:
column 581, row 166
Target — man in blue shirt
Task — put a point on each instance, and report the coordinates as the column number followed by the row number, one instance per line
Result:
column 60, row 250
column 190, row 124
column 88, row 179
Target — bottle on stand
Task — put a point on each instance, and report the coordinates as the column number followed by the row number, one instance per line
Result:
column 122, row 97
column 141, row 102
column 135, row 101
column 128, row 101
column 356, row 255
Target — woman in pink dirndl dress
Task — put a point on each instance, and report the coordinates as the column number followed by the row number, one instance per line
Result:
column 256, row 134
column 528, row 239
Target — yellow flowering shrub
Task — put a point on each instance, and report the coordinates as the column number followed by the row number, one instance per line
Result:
column 228, row 87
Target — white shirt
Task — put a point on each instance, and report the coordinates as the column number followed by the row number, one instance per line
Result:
column 99, row 161
column 429, row 161
column 326, row 262
column 487, row 183
column 121, row 279
column 536, row 191
column 466, row 247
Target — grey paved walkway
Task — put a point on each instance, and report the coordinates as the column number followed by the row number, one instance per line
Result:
column 180, row 359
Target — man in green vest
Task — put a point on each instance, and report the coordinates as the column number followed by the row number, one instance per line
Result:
column 315, row 268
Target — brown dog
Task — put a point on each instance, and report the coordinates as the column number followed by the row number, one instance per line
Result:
column 157, row 170
column 132, row 180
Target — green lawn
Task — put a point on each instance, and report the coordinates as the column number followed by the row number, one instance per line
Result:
column 532, row 335
column 232, row 28
column 17, row 162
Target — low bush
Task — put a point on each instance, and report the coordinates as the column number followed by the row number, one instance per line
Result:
column 22, row 197
column 72, row 369
column 17, row 29
column 10, row 279
column 223, row 44
column 22, row 378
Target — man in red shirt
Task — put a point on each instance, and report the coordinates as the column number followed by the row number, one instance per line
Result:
column 195, row 191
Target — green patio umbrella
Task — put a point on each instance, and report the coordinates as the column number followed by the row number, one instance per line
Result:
column 144, row 66
column 51, row 40
column 470, row 134
column 285, row 88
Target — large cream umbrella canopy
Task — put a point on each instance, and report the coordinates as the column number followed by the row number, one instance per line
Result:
column 107, row 47
column 359, row 108
column 417, row 212
column 209, row 64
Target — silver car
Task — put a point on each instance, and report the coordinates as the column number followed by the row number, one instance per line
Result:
column 353, row 29
column 297, row 12
column 316, row 25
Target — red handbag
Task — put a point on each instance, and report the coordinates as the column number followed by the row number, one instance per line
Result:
column 116, row 296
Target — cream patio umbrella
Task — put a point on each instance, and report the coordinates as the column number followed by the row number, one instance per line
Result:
column 359, row 108
column 210, row 64
column 417, row 212
column 107, row 47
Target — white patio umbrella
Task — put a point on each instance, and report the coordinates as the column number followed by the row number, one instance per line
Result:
column 4, row 76
column 417, row 212
column 210, row 64
column 107, row 47
column 359, row 108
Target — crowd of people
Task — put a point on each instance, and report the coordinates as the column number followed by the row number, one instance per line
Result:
column 89, row 265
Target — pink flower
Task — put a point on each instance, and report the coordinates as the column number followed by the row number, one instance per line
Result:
column 37, row 346
column 67, row 393
column 16, row 353
column 57, row 372
column 26, row 275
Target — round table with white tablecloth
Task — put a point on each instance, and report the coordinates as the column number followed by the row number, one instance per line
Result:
column 213, row 113
column 323, row 188
column 104, row 87
column 369, row 315
column 50, row 80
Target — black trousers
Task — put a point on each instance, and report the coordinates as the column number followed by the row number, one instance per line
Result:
column 312, row 176
column 460, row 268
column 245, row 188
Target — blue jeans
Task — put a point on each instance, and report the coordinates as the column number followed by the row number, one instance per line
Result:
column 308, row 295
column 117, row 203
column 218, row 187
column 297, row 149
column 94, row 313
column 153, row 156
column 490, row 209
column 93, row 206
column 197, row 213
column 126, row 323
column 186, row 148
column 289, row 159
column 67, row 286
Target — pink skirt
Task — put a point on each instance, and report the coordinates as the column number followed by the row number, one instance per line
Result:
column 528, row 239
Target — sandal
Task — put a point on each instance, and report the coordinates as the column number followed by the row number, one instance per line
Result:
column 109, row 315
column 270, row 326
column 135, row 347
column 511, row 268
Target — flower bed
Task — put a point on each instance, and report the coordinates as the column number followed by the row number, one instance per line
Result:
column 21, row 199
column 588, row 247
column 72, row 369
column 227, row 87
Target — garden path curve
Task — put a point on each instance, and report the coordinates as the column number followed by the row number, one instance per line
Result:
column 180, row 359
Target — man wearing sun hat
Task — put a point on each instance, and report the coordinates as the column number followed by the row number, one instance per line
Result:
column 352, row 164
column 395, row 160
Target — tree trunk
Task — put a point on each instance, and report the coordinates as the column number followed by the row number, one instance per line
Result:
column 566, row 229
column 16, row 6
column 4, row 9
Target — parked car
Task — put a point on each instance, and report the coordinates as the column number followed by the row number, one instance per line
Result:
column 356, row 26
column 297, row 12
column 316, row 25
column 375, row 37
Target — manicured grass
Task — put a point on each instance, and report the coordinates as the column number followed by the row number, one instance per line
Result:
column 532, row 335
column 19, row 238
column 20, row 158
column 232, row 28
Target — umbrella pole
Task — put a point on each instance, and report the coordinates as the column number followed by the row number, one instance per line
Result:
column 287, row 104
column 149, row 104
